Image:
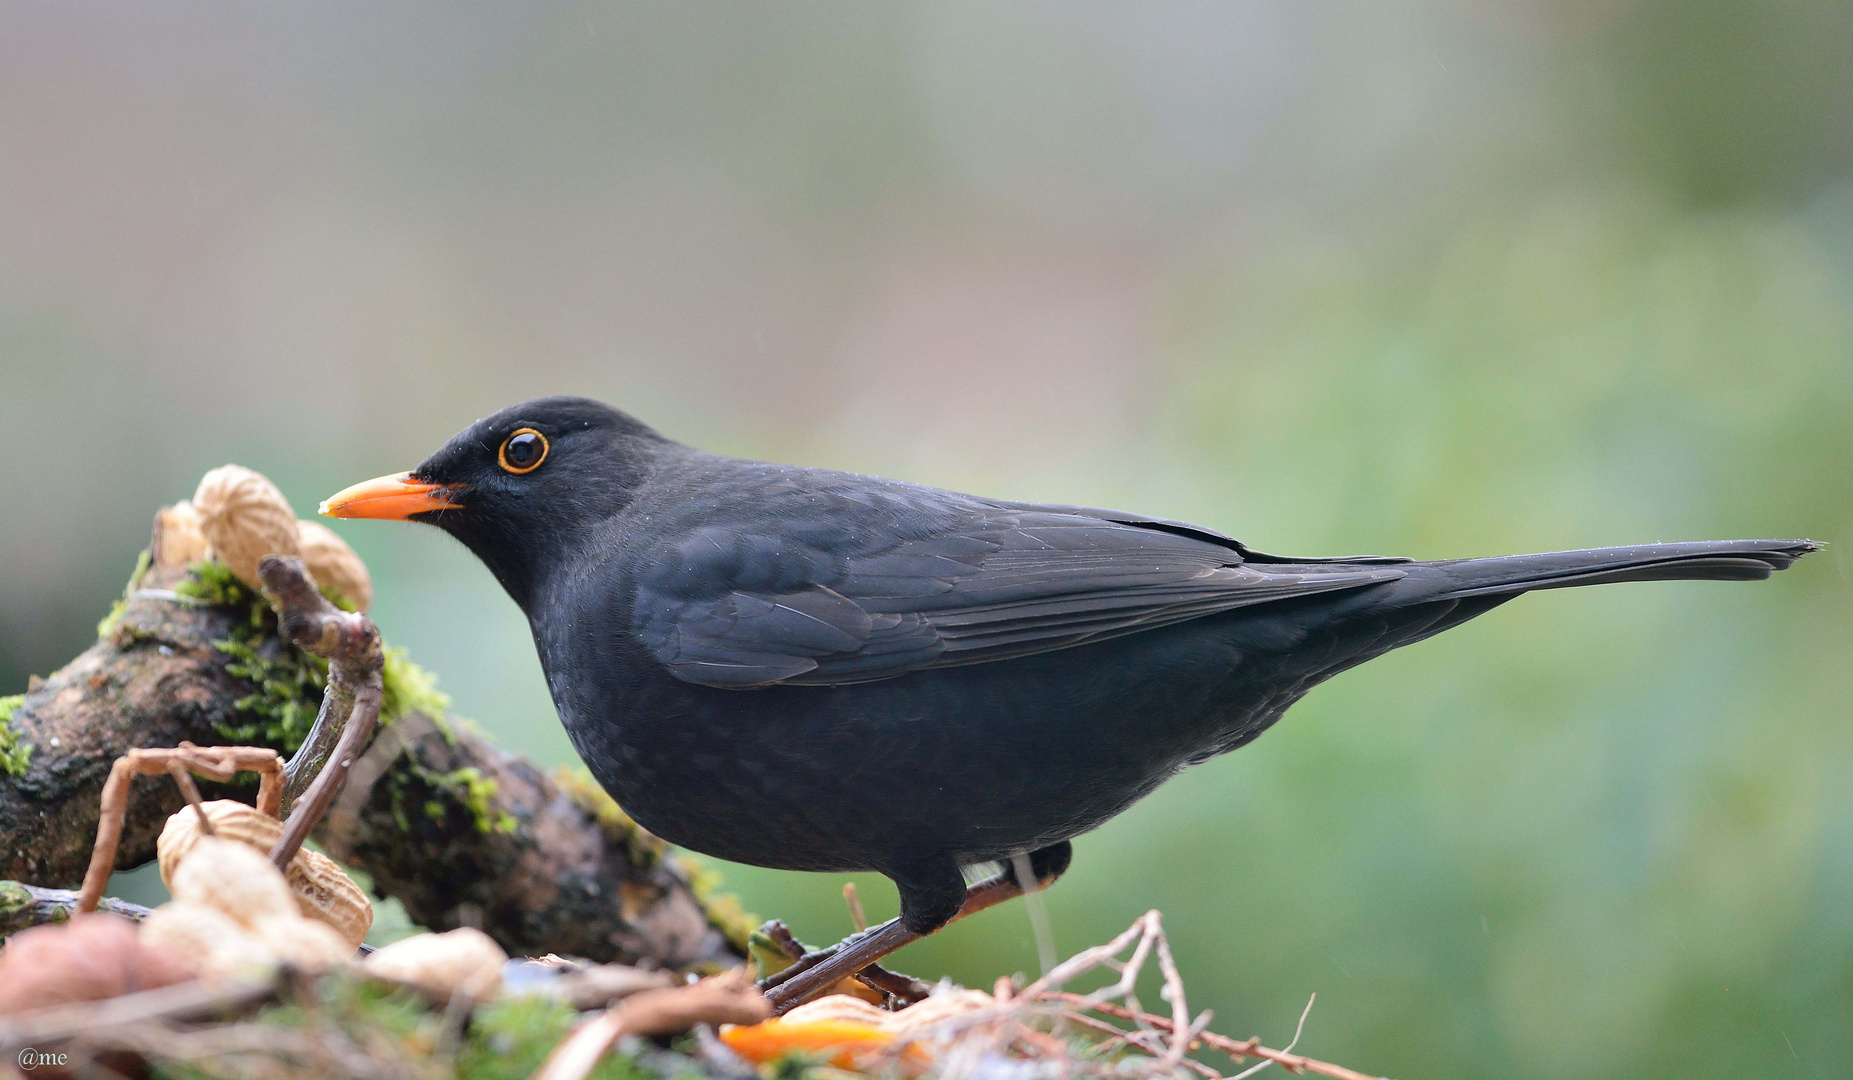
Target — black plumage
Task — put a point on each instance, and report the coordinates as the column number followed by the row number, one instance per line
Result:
column 815, row 670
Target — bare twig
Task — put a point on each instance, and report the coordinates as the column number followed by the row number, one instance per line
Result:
column 1167, row 1040
column 1234, row 1048
column 724, row 999
column 815, row 972
column 1298, row 1030
column 856, row 916
column 219, row 763
column 351, row 645
column 905, row 989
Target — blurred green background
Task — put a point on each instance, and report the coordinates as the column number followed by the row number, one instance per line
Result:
column 1435, row 280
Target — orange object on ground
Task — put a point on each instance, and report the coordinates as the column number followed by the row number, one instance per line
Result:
column 844, row 1040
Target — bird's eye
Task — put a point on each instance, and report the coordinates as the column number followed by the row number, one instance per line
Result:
column 523, row 451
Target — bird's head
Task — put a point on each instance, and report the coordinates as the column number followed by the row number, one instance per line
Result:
column 520, row 487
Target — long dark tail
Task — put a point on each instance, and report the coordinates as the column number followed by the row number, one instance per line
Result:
column 1509, row 575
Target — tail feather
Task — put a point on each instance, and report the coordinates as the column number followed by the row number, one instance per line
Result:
column 1715, row 560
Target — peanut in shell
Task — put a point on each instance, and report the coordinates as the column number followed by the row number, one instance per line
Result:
column 244, row 517
column 320, row 889
column 334, row 566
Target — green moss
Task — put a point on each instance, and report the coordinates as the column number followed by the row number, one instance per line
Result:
column 478, row 794
column 289, row 690
column 13, row 753
column 410, row 688
column 108, row 623
column 410, row 784
column 14, row 898
column 799, row 1065
column 290, row 681
column 212, row 582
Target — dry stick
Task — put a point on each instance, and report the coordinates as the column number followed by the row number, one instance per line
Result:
column 856, row 917
column 219, row 763
column 890, row 935
column 191, row 790
column 1183, row 1029
column 351, row 645
column 904, row 988
column 321, row 794
column 1148, row 933
column 1235, row 1048
column 306, row 763
column 1131, row 1039
column 1298, row 1030
column 723, row 999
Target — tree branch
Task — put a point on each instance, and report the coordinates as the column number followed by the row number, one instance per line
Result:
column 456, row 829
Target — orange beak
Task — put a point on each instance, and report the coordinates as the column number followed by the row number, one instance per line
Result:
column 390, row 498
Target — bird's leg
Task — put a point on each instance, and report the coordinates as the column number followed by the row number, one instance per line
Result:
column 820, row 970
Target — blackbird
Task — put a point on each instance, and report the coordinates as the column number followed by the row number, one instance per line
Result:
column 815, row 670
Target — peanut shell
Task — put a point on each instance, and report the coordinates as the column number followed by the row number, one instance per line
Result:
column 839, row 1007
column 309, row 944
column 231, row 820
column 327, row 895
column 463, row 961
column 178, row 542
column 90, row 958
column 943, row 1005
column 233, row 877
column 334, row 565
column 216, row 943
column 321, row 889
column 244, row 517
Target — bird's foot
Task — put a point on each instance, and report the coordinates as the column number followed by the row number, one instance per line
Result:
column 817, row 971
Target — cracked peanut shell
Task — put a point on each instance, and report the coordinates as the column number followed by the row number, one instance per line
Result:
column 322, row 891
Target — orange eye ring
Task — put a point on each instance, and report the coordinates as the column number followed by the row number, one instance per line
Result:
column 501, row 455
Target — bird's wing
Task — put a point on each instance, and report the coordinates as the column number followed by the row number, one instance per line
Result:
column 859, row 584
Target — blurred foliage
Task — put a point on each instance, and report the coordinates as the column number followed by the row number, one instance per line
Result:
column 1421, row 280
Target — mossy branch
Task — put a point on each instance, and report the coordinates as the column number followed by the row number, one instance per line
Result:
column 456, row 829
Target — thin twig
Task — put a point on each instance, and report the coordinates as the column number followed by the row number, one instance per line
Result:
column 1181, row 1027
column 190, row 790
column 351, row 645
column 218, row 763
column 723, row 999
column 1297, row 1031
column 856, row 917
column 904, row 988
column 1234, row 1048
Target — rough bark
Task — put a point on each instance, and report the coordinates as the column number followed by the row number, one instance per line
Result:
column 456, row 829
